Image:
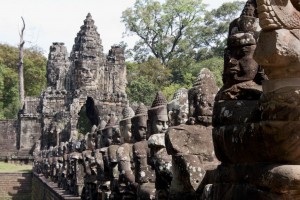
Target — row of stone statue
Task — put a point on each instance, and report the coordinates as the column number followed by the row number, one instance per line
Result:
column 169, row 150
column 158, row 153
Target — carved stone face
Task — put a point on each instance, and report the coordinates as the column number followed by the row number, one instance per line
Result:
column 239, row 64
column 107, row 137
column 159, row 124
column 125, row 130
column 110, row 135
column 51, row 77
column 86, row 78
column 178, row 116
column 139, row 128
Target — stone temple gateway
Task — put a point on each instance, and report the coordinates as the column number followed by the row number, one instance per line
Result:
column 85, row 78
column 237, row 142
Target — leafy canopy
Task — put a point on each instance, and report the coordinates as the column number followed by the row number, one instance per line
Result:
column 34, row 77
column 183, row 36
column 162, row 27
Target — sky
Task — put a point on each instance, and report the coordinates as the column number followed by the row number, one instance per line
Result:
column 49, row 21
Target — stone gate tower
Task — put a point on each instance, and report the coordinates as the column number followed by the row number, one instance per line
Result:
column 87, row 78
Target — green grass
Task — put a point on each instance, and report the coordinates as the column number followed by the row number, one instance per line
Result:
column 14, row 168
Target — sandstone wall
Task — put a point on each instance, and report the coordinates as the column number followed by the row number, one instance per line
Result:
column 8, row 137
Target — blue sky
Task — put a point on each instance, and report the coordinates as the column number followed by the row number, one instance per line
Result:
column 50, row 21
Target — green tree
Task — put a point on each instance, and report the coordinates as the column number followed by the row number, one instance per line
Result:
column 9, row 93
column 145, row 79
column 214, row 64
column 211, row 36
column 34, row 77
column 162, row 27
column 141, row 90
column 183, row 36
column 34, row 67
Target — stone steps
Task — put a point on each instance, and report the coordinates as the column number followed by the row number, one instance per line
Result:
column 15, row 185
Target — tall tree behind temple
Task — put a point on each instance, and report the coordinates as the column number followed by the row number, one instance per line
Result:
column 177, row 28
column 162, row 27
column 181, row 35
column 34, row 77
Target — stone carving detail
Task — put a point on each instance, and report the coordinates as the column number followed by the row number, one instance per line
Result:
column 253, row 130
column 201, row 98
column 144, row 174
column 158, row 124
column 87, row 56
column 191, row 145
column 178, row 108
column 57, row 66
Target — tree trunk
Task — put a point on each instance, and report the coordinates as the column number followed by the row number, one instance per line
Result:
column 20, row 66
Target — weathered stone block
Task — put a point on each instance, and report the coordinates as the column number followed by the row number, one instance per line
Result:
column 257, row 181
column 188, row 172
column 239, row 143
column 278, row 52
column 190, row 140
column 236, row 112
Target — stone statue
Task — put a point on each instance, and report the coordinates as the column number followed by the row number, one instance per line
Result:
column 144, row 174
column 57, row 66
column 252, row 131
column 201, row 98
column 191, row 146
column 110, row 140
column 89, row 164
column 127, row 186
column 158, row 124
column 178, row 108
column 237, row 105
column 76, row 169
column 242, row 76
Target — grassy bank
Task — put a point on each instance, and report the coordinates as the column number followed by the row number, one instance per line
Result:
column 13, row 168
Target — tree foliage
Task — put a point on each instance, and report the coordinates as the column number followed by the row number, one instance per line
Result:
column 178, row 28
column 145, row 79
column 9, row 93
column 162, row 28
column 34, row 77
column 211, row 36
column 183, row 36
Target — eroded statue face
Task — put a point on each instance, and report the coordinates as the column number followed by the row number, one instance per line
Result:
column 86, row 77
column 249, row 9
column 125, row 130
column 107, row 137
